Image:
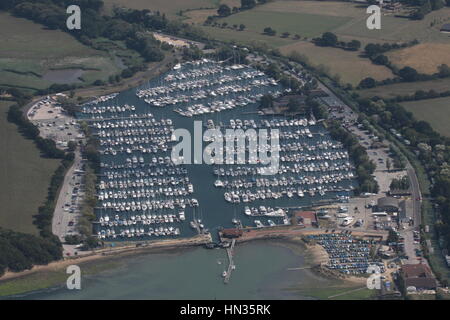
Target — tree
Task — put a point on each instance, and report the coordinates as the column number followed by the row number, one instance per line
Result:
column 444, row 71
column 329, row 39
column 381, row 59
column 269, row 31
column 242, row 27
column 224, row 10
column 354, row 45
column 248, row 4
column 408, row 74
column 372, row 49
column 367, row 83
column 388, row 164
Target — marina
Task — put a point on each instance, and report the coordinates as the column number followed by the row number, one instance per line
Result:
column 143, row 194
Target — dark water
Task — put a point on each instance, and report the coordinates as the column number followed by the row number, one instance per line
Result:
column 261, row 273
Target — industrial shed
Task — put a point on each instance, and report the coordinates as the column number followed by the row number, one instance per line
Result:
column 388, row 204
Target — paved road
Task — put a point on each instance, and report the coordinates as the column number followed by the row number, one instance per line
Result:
column 415, row 195
column 61, row 217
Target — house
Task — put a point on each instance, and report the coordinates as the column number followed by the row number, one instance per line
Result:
column 418, row 276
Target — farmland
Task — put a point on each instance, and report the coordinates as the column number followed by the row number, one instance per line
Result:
column 347, row 64
column 435, row 53
column 30, row 54
column 406, row 88
column 394, row 29
column 171, row 8
column 24, row 176
column 286, row 16
column 434, row 111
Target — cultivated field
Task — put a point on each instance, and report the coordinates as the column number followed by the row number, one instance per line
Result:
column 30, row 53
column 434, row 111
column 286, row 16
column 424, row 57
column 406, row 88
column 347, row 64
column 24, row 177
column 245, row 37
column 394, row 29
column 169, row 7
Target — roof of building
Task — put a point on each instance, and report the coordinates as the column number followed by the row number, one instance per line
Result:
column 308, row 217
column 234, row 232
column 421, row 283
column 387, row 202
column 419, row 270
column 446, row 27
column 406, row 209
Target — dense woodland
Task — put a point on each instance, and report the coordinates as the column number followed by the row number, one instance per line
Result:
column 20, row 251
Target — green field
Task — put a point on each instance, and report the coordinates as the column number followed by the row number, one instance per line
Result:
column 31, row 52
column 395, row 29
column 171, row 7
column 434, row 111
column 343, row 62
column 304, row 24
column 24, row 176
column 405, row 88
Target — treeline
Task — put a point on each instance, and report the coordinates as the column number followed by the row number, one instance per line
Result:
column 374, row 49
column 17, row 251
column 399, row 160
column 364, row 166
column 425, row 7
column 329, row 39
column 20, row 251
column 30, row 131
column 420, row 95
column 92, row 169
column 406, row 74
column 43, row 220
column 225, row 10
